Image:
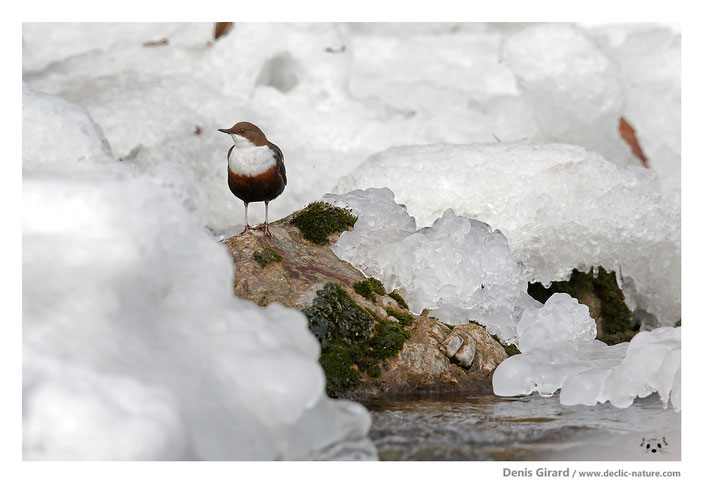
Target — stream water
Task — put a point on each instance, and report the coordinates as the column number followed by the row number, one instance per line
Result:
column 456, row 427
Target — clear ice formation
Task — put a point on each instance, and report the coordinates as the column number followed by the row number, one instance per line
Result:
column 134, row 347
column 462, row 270
column 458, row 268
column 559, row 352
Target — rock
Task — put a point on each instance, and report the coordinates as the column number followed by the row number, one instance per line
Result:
column 402, row 354
column 465, row 355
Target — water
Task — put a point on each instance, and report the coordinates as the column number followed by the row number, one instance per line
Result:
column 456, row 427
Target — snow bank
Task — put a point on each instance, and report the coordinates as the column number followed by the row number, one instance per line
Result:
column 331, row 95
column 59, row 136
column 458, row 268
column 558, row 351
column 560, row 206
column 571, row 87
column 649, row 58
column 133, row 344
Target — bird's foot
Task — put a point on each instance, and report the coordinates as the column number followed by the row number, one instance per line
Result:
column 247, row 228
column 265, row 228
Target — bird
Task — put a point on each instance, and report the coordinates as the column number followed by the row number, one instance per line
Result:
column 255, row 168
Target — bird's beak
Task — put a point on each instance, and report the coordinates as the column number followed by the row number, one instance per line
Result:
column 226, row 131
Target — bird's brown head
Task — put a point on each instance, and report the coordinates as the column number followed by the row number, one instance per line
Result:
column 245, row 131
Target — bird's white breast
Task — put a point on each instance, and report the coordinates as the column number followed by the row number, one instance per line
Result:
column 250, row 160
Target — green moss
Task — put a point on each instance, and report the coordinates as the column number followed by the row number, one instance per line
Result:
column 319, row 220
column 365, row 289
column 616, row 317
column 368, row 288
column 267, row 255
column 352, row 340
column 399, row 299
column 335, row 317
column 339, row 373
column 377, row 286
column 406, row 319
column 509, row 349
column 388, row 339
column 678, row 323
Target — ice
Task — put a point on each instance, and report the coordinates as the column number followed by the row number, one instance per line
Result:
column 560, row 206
column 133, row 345
column 559, row 321
column 462, row 270
column 559, row 352
column 458, row 268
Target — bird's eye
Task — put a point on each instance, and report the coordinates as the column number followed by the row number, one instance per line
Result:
column 242, row 131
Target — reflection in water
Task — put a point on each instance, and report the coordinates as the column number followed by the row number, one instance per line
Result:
column 455, row 427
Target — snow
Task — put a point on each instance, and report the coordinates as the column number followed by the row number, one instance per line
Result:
column 133, row 345
column 49, row 121
column 560, row 207
column 330, row 108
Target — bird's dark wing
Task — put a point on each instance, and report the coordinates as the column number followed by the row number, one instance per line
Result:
column 279, row 156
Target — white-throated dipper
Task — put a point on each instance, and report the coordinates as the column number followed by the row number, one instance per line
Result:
column 255, row 168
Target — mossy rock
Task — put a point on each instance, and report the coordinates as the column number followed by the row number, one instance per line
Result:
column 352, row 340
column 266, row 256
column 319, row 220
column 616, row 318
column 365, row 289
column 369, row 288
column 510, row 350
column 399, row 299
column 404, row 318
column 340, row 375
column 335, row 318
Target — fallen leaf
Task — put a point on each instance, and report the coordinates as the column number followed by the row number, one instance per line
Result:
column 222, row 28
column 629, row 135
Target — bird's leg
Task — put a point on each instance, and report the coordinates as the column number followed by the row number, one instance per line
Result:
column 246, row 222
column 266, row 218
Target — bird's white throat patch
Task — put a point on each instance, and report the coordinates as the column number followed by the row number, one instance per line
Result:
column 248, row 159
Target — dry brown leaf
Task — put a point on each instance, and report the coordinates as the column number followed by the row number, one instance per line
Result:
column 222, row 28
column 198, row 131
column 629, row 135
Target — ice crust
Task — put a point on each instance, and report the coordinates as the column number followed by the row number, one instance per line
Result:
column 330, row 107
column 560, row 206
column 559, row 352
column 458, row 268
column 462, row 270
column 133, row 345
